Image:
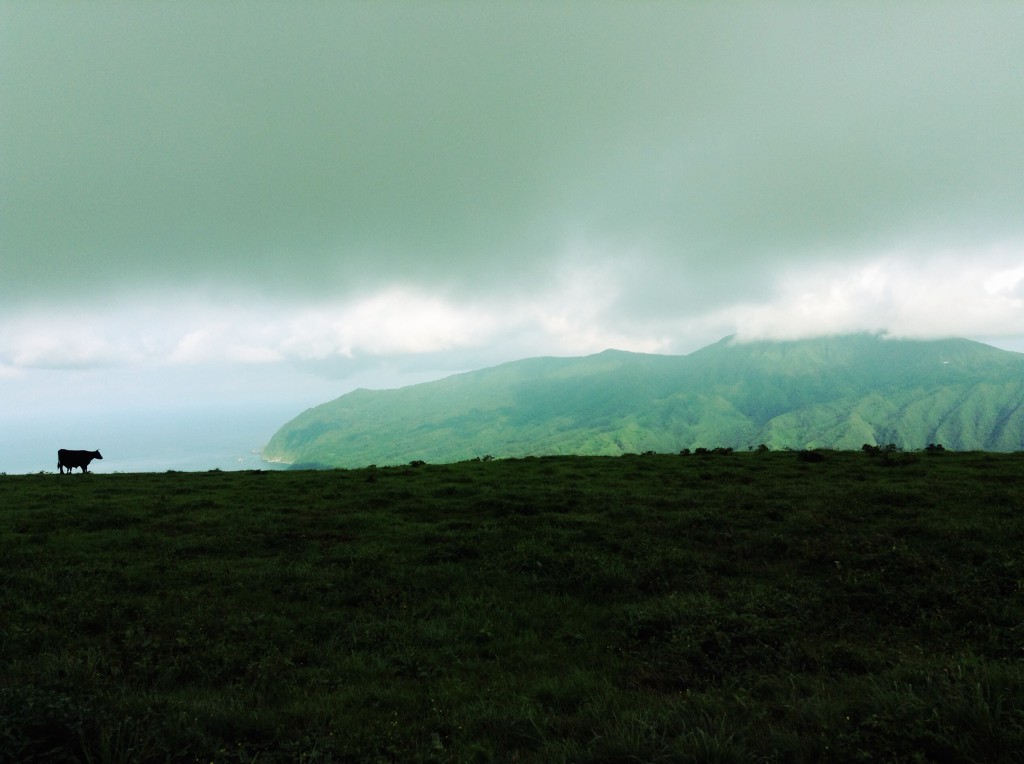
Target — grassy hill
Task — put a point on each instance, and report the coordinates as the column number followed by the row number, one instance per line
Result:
column 763, row 606
column 837, row 392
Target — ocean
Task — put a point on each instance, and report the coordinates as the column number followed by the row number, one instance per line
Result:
column 137, row 440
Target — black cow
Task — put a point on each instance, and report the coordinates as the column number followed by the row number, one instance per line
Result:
column 71, row 459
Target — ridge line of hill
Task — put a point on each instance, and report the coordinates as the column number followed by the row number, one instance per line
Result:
column 830, row 392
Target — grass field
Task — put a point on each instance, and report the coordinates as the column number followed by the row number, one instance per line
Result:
column 715, row 607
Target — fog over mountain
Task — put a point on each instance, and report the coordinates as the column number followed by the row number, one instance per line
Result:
column 837, row 392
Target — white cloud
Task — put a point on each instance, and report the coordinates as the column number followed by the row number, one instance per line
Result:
column 1008, row 282
column 579, row 312
column 391, row 322
column 942, row 295
column 52, row 343
column 195, row 346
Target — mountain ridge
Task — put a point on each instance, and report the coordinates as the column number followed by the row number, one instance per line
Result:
column 829, row 392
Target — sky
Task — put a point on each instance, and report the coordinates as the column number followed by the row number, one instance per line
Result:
column 268, row 204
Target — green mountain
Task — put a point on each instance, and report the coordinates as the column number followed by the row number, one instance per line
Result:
column 832, row 392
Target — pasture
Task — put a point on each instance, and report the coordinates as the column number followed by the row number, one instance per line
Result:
column 755, row 606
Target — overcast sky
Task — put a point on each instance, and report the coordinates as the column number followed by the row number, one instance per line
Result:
column 280, row 201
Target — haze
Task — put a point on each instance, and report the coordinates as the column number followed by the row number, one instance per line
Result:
column 260, row 206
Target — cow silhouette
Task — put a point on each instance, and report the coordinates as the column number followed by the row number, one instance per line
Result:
column 70, row 458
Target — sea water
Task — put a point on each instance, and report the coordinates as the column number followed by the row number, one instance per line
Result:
column 142, row 440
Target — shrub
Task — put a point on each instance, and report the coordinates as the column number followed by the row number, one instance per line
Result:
column 810, row 456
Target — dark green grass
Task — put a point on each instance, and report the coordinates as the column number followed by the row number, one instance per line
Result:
column 744, row 607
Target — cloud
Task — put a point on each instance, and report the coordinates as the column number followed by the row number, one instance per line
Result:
column 943, row 295
column 1007, row 283
column 219, row 343
column 580, row 312
column 345, row 187
column 566, row 317
column 392, row 322
column 275, row 153
column 51, row 344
